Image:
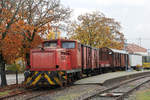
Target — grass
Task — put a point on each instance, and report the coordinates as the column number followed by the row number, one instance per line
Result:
column 4, row 93
column 67, row 97
column 143, row 95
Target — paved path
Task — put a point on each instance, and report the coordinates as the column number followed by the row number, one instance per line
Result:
column 11, row 78
column 100, row 79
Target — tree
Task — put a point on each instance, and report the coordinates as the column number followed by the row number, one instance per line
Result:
column 97, row 30
column 38, row 16
column 53, row 33
column 22, row 24
column 8, row 15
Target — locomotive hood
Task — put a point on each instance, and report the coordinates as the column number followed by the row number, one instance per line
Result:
column 45, row 59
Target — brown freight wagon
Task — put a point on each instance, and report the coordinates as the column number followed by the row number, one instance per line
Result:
column 112, row 59
column 90, row 59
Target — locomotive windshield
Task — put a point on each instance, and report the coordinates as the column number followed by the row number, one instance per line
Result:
column 50, row 44
column 68, row 45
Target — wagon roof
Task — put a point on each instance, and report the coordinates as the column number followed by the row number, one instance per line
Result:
column 116, row 50
column 119, row 51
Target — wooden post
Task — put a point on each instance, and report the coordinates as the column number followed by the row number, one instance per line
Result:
column 17, row 77
column 2, row 71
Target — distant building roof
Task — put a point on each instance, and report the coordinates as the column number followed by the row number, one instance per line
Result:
column 132, row 48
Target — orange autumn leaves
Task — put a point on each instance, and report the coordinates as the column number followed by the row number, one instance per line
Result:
column 15, row 44
column 11, row 47
column 24, row 22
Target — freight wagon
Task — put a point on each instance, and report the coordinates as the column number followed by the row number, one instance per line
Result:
column 112, row 59
column 135, row 60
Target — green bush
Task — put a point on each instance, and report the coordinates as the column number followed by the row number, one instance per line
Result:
column 12, row 67
column 15, row 67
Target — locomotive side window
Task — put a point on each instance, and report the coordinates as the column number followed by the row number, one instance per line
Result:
column 50, row 44
column 68, row 45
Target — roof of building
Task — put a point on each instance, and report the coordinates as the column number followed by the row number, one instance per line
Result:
column 119, row 51
column 132, row 48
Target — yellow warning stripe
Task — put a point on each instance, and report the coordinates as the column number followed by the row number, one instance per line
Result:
column 28, row 80
column 36, row 73
column 49, row 80
column 36, row 79
column 58, row 81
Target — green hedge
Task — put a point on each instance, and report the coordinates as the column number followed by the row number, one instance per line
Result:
column 15, row 67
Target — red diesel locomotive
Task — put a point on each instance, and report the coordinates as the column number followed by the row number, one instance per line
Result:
column 62, row 61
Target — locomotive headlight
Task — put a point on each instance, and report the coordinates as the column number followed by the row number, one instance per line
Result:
column 110, row 53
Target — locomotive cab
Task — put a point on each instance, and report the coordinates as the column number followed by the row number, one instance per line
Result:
column 72, row 47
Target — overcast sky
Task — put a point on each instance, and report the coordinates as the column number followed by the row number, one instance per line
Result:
column 133, row 15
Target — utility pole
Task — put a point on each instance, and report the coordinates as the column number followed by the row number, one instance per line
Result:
column 55, row 27
column 125, row 44
column 140, row 41
column 56, row 32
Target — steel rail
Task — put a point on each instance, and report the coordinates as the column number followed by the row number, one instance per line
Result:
column 118, row 85
column 130, row 91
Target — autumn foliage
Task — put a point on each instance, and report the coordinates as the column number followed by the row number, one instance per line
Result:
column 23, row 24
column 11, row 47
column 97, row 30
column 14, row 45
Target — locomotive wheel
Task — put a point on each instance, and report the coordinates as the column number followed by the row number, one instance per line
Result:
column 69, row 79
column 65, row 83
column 80, row 75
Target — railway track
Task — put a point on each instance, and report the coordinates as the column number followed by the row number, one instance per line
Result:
column 41, row 92
column 111, row 93
column 31, row 93
column 48, row 91
column 14, row 92
column 120, row 91
column 12, row 86
column 18, row 90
